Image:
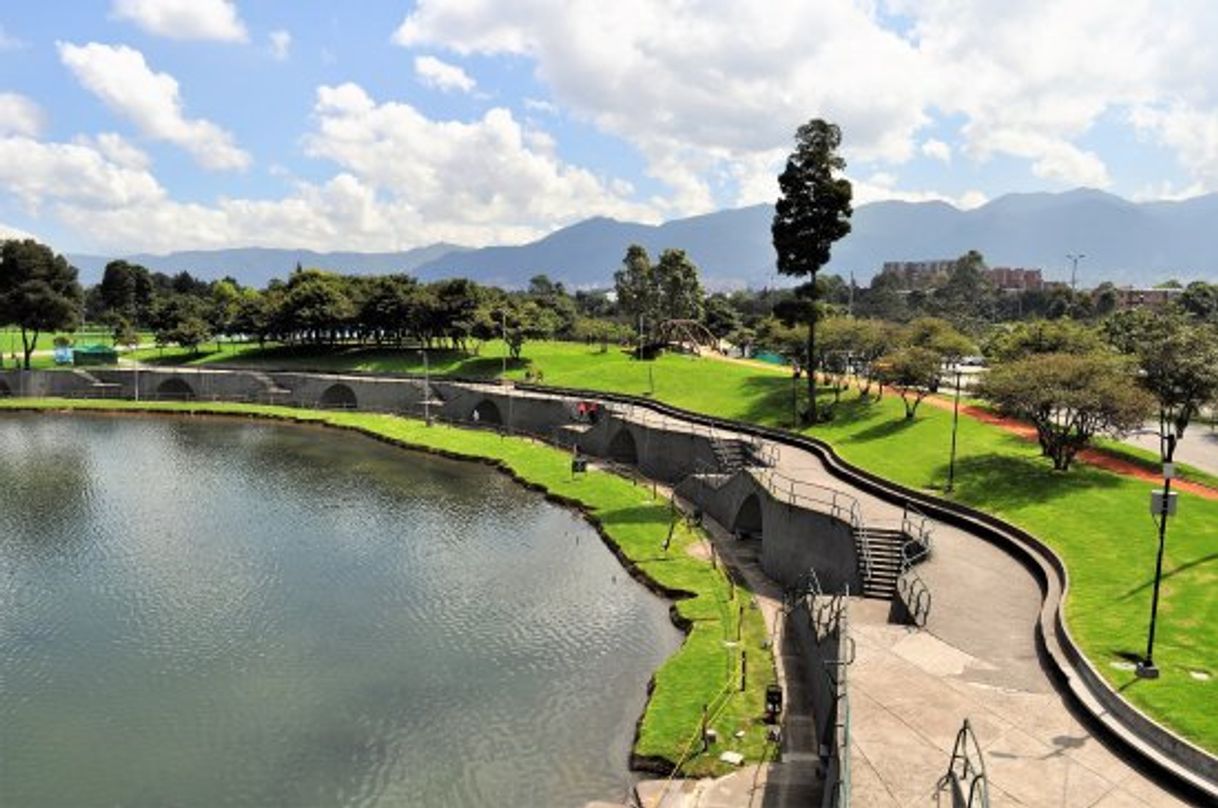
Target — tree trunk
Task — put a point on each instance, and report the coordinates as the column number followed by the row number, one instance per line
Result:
column 811, row 359
column 27, row 346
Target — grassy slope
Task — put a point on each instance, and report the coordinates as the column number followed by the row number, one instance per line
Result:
column 636, row 524
column 1097, row 521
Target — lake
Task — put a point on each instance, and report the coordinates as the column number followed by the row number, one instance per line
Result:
column 206, row 612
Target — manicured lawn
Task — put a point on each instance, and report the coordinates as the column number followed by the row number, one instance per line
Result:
column 704, row 667
column 1098, row 522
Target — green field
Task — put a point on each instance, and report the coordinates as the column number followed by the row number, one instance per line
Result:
column 1097, row 521
column 704, row 671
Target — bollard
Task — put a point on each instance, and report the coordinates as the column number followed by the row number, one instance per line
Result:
column 704, row 709
column 739, row 622
column 744, row 669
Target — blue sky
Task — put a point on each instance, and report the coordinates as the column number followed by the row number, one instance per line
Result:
column 133, row 125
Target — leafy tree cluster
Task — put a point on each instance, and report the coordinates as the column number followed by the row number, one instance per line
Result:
column 39, row 292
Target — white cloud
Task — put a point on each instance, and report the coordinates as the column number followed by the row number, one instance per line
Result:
column 719, row 83
column 20, row 116
column 937, row 150
column 441, row 75
column 37, row 172
column 883, row 186
column 120, row 77
column 540, row 105
column 1191, row 132
column 403, row 180
column 486, row 174
column 698, row 88
column 185, row 19
column 117, row 149
column 8, row 42
column 281, row 44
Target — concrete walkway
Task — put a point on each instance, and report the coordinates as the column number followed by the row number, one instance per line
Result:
column 976, row 659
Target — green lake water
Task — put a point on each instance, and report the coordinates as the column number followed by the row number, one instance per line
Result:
column 221, row 613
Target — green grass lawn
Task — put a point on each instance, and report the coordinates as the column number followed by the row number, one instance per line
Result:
column 707, row 663
column 1097, row 521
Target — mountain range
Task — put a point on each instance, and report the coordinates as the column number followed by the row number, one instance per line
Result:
column 1124, row 242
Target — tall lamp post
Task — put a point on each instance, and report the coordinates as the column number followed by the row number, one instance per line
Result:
column 503, row 334
column 426, row 389
column 1074, row 258
column 1162, row 504
column 951, row 466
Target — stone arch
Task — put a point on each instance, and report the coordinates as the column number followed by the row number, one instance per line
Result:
column 5, row 390
column 175, row 390
column 338, row 397
column 487, row 412
column 623, row 449
column 749, row 520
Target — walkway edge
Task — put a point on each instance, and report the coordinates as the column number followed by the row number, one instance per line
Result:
column 1157, row 747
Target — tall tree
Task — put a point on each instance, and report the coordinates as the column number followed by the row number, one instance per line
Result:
column 678, row 289
column 635, row 287
column 38, row 292
column 811, row 214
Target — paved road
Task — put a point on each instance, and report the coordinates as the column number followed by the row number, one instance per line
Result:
column 1199, row 447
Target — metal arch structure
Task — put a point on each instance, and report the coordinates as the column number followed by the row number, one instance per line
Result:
column 689, row 333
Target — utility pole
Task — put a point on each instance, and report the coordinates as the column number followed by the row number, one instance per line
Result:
column 1074, row 258
column 503, row 333
column 426, row 390
column 951, row 466
column 850, row 305
column 1146, row 668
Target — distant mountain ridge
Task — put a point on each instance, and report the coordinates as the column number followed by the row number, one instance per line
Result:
column 1125, row 242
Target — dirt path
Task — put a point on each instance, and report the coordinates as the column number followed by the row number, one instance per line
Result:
column 1092, row 456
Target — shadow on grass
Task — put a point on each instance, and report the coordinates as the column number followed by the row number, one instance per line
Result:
column 657, row 515
column 1149, row 582
column 770, row 402
column 884, row 429
column 996, row 482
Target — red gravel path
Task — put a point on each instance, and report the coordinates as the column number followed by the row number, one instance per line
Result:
column 1092, row 456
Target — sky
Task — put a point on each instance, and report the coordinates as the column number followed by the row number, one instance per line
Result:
column 160, row 125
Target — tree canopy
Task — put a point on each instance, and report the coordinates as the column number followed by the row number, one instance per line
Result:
column 38, row 292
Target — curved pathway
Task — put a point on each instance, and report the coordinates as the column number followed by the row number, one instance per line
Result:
column 976, row 659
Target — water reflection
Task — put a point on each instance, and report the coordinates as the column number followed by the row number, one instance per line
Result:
column 203, row 613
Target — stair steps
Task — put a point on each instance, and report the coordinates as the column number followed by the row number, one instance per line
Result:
column 884, row 549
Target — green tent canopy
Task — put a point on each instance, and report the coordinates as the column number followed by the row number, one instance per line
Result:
column 94, row 355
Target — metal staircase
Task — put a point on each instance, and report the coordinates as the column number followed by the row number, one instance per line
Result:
column 880, row 551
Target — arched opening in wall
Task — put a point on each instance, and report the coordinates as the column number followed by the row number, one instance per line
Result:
column 5, row 390
column 487, row 412
column 175, row 390
column 623, row 449
column 748, row 521
column 338, row 397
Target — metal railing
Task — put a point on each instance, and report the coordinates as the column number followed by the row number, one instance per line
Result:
column 917, row 530
column 965, row 776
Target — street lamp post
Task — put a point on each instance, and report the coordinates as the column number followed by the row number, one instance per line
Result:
column 1146, row 668
column 503, row 333
column 951, row 466
column 426, row 389
column 1074, row 258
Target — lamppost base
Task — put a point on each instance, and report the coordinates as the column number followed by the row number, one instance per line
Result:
column 1147, row 670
